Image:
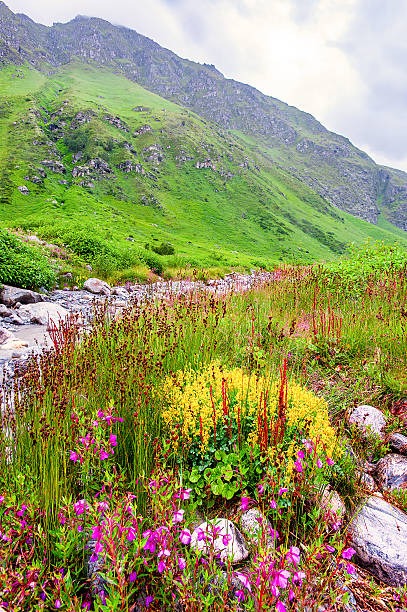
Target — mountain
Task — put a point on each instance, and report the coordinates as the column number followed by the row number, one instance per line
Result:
column 104, row 129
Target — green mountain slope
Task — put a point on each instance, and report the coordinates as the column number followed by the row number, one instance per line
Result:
column 292, row 139
column 123, row 176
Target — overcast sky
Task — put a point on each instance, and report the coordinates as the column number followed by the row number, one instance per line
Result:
column 344, row 61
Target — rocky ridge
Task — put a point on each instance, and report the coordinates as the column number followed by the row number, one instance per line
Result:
column 328, row 163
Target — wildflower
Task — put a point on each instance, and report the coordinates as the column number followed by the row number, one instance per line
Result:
column 329, row 548
column 153, row 484
column 280, row 607
column 132, row 576
column 161, row 566
column 102, row 507
column 103, row 455
column 178, row 516
column 275, row 591
column 309, row 446
column 319, row 463
column 273, row 533
column 280, row 578
column 244, row 580
column 348, row 553
column 282, row 490
column 226, row 539
column 300, row 454
column 273, row 504
column 298, row 577
column 58, row 603
column 350, row 569
column 80, row 507
column 73, row 456
column 181, row 563
column 330, row 461
column 96, row 533
column 184, row 494
column 244, row 503
column 151, row 542
column 149, row 600
column 131, row 534
column 61, row 518
column 293, row 555
column 101, row 414
column 113, row 440
column 1, row 499
column 260, row 489
column 240, row 595
column 21, row 512
column 185, row 537
column 298, row 466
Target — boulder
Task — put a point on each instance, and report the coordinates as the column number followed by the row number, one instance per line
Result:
column 4, row 311
column 332, row 503
column 10, row 296
column 96, row 286
column 5, row 335
column 368, row 420
column 42, row 313
column 397, row 442
column 378, row 533
column 222, row 537
column 257, row 527
column 391, row 472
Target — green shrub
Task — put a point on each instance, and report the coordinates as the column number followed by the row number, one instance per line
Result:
column 22, row 265
column 165, row 248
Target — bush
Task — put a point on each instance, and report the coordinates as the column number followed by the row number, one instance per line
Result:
column 165, row 248
column 22, row 265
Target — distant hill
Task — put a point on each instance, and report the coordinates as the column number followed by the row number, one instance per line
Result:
column 102, row 128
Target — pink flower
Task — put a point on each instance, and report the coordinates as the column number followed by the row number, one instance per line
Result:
column 282, row 490
column 96, row 533
column 319, row 463
column 280, row 578
column 80, row 507
column 74, row 456
column 298, row 577
column 131, row 534
column 300, row 454
column 101, row 414
column 244, row 503
column 21, row 512
column 280, row 607
column 293, row 555
column 298, row 466
column 185, row 494
column 260, row 489
column 273, row 504
column 58, row 603
column 181, row 563
column 161, row 566
column 132, row 576
column 1, row 499
column 348, row 553
column 275, row 591
column 149, row 600
column 178, row 516
column 350, row 569
column 240, row 595
column 244, row 580
column 185, row 537
column 113, row 440
column 226, row 539
column 330, row 461
column 329, row 548
column 102, row 507
column 103, row 455
column 309, row 447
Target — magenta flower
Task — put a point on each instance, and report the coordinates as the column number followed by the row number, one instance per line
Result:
column 330, row 461
column 348, row 553
column 282, row 490
column 240, row 595
column 244, row 503
column 181, row 563
column 185, row 494
column 113, row 440
column 298, row 466
column 275, row 591
column 96, row 533
column 319, row 463
column 178, row 516
column 131, row 534
column 300, row 454
column 185, row 537
column 149, row 600
column 80, row 507
column 260, row 489
column 280, row 607
column 101, row 414
column 309, row 446
column 161, row 566
column 244, row 580
column 132, row 576
column 280, row 578
column 21, row 512
column 58, row 603
column 226, row 539
column 74, row 456
column 293, row 555
column 350, row 569
column 273, row 504
column 329, row 548
column 298, row 577
column 102, row 507
column 103, row 455
column 1, row 499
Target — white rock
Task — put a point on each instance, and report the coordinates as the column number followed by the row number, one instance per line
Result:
column 42, row 313
column 391, row 472
column 222, row 537
column 332, row 501
column 378, row 533
column 368, row 420
column 96, row 286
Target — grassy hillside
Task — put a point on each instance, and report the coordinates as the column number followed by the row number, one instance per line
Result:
column 125, row 181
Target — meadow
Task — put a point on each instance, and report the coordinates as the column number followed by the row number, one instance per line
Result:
column 116, row 443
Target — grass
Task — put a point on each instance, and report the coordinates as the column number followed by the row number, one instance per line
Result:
column 87, row 451
column 247, row 213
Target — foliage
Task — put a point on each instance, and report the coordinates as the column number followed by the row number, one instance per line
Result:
column 22, row 265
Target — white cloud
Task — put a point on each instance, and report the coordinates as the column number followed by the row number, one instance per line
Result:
column 337, row 59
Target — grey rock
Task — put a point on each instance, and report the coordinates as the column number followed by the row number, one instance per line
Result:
column 256, row 526
column 397, row 442
column 43, row 313
column 4, row 311
column 367, row 482
column 391, row 472
column 332, row 504
column 5, row 335
column 23, row 189
column 10, row 296
column 96, row 286
column 368, row 419
column 378, row 533
column 222, row 537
